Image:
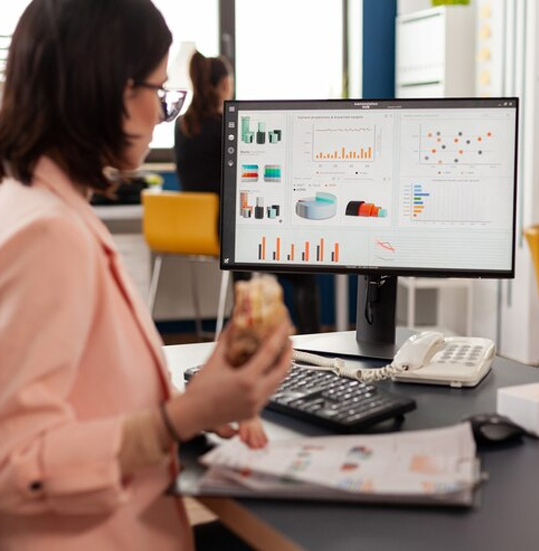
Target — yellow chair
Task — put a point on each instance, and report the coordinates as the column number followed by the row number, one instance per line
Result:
column 532, row 236
column 183, row 223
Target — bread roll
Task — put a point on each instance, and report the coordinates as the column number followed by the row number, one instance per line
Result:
column 258, row 309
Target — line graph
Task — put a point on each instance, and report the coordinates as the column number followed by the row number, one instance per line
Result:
column 346, row 143
column 384, row 250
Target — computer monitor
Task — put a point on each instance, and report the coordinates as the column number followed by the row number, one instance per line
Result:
column 379, row 188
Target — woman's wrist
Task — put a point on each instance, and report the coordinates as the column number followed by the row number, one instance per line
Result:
column 169, row 424
column 183, row 414
column 145, row 441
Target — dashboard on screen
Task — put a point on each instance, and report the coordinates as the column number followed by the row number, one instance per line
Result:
column 404, row 187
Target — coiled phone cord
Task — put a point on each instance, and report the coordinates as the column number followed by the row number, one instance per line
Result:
column 341, row 368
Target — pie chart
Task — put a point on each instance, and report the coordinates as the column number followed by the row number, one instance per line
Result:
column 320, row 207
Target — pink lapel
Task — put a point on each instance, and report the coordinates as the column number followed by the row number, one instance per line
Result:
column 49, row 175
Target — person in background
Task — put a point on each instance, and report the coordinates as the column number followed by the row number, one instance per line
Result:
column 89, row 424
column 197, row 143
column 197, row 147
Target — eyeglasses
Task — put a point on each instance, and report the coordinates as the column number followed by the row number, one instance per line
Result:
column 171, row 100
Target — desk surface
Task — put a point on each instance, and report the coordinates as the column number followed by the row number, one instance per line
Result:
column 507, row 517
column 119, row 212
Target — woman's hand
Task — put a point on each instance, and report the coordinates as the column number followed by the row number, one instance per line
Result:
column 221, row 394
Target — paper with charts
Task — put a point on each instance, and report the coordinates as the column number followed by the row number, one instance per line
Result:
column 437, row 466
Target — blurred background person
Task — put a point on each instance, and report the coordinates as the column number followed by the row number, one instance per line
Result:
column 197, row 143
column 197, row 147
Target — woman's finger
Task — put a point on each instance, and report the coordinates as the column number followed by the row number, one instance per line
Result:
column 274, row 377
column 225, row 431
column 269, row 351
column 218, row 354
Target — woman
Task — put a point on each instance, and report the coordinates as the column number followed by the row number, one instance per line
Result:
column 88, row 422
column 197, row 141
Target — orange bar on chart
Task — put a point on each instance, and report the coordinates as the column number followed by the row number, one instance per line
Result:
column 278, row 249
column 244, row 199
column 321, row 250
column 263, row 248
column 369, row 153
column 306, row 251
column 292, row 251
column 336, row 252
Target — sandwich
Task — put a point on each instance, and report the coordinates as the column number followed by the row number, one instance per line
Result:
column 258, row 310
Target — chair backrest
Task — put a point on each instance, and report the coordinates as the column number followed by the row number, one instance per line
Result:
column 532, row 236
column 181, row 222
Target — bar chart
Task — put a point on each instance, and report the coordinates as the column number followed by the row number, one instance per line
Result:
column 249, row 173
column 307, row 251
column 343, row 144
column 259, row 210
column 445, row 202
column 255, row 132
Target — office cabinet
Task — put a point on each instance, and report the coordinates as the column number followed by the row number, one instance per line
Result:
column 434, row 55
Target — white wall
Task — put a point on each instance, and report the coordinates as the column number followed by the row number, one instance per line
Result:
column 520, row 304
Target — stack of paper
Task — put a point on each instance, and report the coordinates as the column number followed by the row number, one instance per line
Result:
column 430, row 466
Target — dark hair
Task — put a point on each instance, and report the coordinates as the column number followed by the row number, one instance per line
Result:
column 206, row 73
column 67, row 69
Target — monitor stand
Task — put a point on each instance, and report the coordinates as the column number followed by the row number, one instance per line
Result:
column 374, row 336
column 376, row 316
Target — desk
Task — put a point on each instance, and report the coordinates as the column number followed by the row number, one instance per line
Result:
column 507, row 518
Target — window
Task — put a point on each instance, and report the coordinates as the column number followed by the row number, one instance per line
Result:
column 9, row 15
column 283, row 49
column 288, row 50
column 193, row 25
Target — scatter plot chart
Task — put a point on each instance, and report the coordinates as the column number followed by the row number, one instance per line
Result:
column 457, row 145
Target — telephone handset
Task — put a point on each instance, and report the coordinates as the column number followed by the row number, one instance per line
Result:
column 428, row 357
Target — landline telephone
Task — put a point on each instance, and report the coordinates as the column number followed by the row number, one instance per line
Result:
column 427, row 357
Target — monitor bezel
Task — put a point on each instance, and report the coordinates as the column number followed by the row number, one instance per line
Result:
column 228, row 200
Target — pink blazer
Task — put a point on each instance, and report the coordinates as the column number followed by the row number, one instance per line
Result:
column 78, row 351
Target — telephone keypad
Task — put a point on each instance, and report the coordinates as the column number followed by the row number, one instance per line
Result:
column 461, row 354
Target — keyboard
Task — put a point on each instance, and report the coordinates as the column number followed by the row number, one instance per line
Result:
column 338, row 403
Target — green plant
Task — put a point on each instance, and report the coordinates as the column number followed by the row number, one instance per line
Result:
column 448, row 2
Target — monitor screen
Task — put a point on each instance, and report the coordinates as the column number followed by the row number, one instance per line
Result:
column 398, row 187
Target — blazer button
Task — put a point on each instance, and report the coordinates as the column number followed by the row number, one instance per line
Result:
column 36, row 486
